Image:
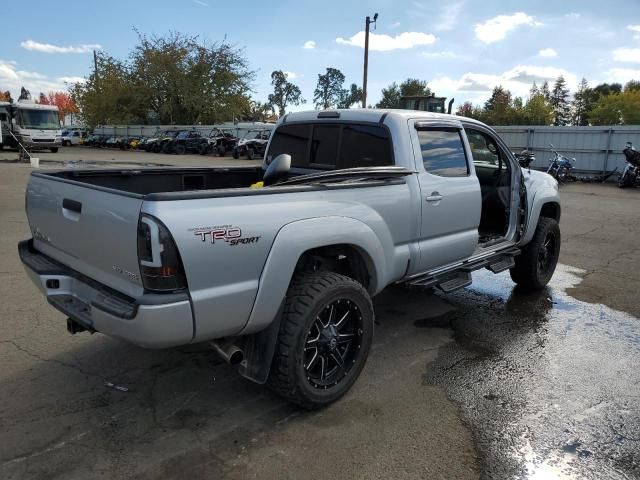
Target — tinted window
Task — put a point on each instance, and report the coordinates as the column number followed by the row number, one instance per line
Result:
column 443, row 152
column 324, row 145
column 483, row 148
column 365, row 146
column 291, row 139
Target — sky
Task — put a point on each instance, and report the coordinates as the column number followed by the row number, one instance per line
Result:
column 463, row 48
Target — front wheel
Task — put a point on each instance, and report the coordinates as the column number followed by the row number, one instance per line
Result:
column 54, row 150
column 324, row 340
column 235, row 154
column 537, row 262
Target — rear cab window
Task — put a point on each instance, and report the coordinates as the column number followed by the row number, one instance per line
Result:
column 330, row 146
column 443, row 152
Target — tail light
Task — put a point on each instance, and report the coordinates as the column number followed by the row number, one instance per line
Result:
column 160, row 264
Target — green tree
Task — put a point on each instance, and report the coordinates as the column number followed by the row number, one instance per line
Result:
column 257, row 112
column 582, row 104
column 329, row 91
column 284, row 92
column 617, row 109
column 107, row 97
column 498, row 108
column 538, row 111
column 544, row 90
column 560, row 102
column 605, row 89
column 352, row 96
column 391, row 96
column 173, row 78
column 632, row 86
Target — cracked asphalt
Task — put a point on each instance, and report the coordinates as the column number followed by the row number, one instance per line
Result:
column 488, row 382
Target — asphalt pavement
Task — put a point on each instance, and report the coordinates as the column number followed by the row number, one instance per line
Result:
column 488, row 382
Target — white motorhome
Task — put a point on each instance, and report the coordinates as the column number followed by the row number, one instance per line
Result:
column 37, row 126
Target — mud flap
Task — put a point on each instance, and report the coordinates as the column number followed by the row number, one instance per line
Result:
column 259, row 349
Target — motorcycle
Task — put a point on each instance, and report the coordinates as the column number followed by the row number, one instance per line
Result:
column 560, row 166
column 525, row 157
column 630, row 176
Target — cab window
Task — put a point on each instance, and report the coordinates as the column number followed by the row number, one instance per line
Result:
column 443, row 152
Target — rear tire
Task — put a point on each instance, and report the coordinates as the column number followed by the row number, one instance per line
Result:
column 235, row 153
column 222, row 151
column 179, row 149
column 250, row 154
column 54, row 150
column 324, row 339
column 537, row 262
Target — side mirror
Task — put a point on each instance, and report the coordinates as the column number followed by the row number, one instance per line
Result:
column 277, row 169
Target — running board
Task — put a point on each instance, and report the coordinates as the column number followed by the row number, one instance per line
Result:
column 460, row 276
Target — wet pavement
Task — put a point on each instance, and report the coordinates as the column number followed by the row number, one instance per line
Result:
column 549, row 385
column 487, row 382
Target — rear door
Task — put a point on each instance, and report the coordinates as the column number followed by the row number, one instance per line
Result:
column 450, row 194
column 90, row 230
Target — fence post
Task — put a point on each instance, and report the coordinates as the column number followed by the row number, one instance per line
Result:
column 606, row 153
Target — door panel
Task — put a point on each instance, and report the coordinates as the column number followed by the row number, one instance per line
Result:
column 450, row 195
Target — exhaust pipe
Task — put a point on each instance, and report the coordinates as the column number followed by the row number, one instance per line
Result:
column 230, row 353
column 74, row 327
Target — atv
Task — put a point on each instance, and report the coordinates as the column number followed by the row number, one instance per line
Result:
column 185, row 141
column 253, row 144
column 219, row 142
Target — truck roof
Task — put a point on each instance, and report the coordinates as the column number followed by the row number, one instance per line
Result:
column 36, row 106
column 368, row 115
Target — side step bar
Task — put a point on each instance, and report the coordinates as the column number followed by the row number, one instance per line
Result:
column 460, row 276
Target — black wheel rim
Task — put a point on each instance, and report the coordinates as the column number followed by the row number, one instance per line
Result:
column 332, row 344
column 547, row 253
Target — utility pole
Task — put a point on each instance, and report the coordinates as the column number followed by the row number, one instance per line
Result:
column 95, row 64
column 368, row 22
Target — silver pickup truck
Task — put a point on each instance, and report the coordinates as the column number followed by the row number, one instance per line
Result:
column 276, row 265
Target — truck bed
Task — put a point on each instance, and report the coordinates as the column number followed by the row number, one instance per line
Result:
column 161, row 180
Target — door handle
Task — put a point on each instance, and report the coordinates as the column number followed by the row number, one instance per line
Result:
column 434, row 197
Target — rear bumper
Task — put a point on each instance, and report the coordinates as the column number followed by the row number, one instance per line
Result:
column 152, row 321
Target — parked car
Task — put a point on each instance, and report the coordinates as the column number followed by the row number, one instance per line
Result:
column 275, row 265
column 220, row 142
column 252, row 144
column 73, row 137
column 185, row 141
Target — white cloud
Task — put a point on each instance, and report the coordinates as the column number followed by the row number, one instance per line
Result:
column 200, row 2
column 13, row 79
column 49, row 48
column 448, row 18
column 385, row 43
column 621, row 75
column 631, row 55
column 443, row 54
column 71, row 80
column 548, row 52
column 496, row 28
column 291, row 75
column 634, row 28
column 309, row 45
column 518, row 80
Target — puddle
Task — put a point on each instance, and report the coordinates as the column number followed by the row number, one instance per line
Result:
column 549, row 385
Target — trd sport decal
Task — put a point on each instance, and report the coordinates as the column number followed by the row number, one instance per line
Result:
column 225, row 233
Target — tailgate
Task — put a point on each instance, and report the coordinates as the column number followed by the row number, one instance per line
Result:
column 92, row 231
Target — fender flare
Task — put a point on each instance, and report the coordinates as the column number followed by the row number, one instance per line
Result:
column 293, row 240
column 539, row 199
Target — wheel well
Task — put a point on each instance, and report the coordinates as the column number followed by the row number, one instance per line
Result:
column 551, row 210
column 343, row 258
